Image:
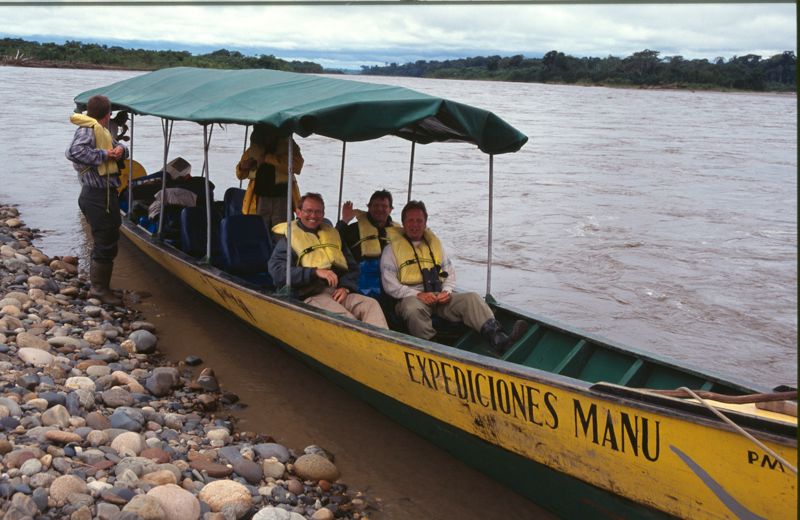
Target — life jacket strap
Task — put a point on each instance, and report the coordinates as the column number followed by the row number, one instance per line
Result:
column 370, row 237
column 309, row 249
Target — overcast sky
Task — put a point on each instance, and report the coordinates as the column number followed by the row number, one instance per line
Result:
column 350, row 36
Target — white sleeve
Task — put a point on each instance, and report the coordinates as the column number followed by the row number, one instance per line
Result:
column 391, row 283
column 449, row 283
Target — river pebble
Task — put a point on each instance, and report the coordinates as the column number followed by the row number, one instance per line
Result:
column 128, row 444
column 273, row 468
column 56, row 416
column 222, row 493
column 117, row 396
column 144, row 340
column 96, row 424
column 312, row 466
column 270, row 449
column 34, row 356
column 26, row 340
column 148, row 508
column 177, row 503
column 65, row 486
column 276, row 513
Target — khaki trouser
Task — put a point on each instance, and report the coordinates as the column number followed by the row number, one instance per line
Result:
column 467, row 308
column 272, row 210
column 356, row 306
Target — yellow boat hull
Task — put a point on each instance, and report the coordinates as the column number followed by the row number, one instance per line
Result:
column 660, row 460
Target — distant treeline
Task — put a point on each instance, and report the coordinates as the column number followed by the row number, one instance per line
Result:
column 90, row 55
column 643, row 69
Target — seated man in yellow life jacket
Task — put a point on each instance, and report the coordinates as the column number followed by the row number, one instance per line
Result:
column 323, row 272
column 416, row 271
column 366, row 238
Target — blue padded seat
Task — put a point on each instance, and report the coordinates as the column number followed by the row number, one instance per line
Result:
column 193, row 232
column 170, row 229
column 245, row 246
column 369, row 277
column 233, row 199
column 218, row 207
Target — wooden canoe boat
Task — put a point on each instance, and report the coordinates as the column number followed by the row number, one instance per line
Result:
column 585, row 427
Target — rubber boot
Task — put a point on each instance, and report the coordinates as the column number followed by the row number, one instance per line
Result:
column 493, row 332
column 100, row 278
column 517, row 331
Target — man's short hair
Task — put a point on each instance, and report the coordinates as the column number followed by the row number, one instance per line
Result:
column 382, row 194
column 414, row 204
column 312, row 195
column 97, row 107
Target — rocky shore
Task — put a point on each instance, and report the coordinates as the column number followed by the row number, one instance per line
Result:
column 96, row 424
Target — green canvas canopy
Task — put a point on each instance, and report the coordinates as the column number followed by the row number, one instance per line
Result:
column 307, row 104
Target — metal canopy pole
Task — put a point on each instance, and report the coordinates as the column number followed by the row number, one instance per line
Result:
column 411, row 170
column 341, row 184
column 244, row 148
column 489, row 245
column 289, row 205
column 166, row 128
column 207, row 174
column 130, row 174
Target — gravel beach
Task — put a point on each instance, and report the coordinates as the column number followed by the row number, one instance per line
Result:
column 96, row 424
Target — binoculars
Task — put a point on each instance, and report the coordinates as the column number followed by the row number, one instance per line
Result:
column 431, row 278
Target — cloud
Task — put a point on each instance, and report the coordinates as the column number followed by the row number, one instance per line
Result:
column 377, row 34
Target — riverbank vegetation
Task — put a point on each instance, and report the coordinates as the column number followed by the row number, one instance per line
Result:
column 641, row 69
column 644, row 69
column 15, row 51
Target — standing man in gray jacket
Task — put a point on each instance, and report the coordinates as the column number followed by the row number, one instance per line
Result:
column 94, row 153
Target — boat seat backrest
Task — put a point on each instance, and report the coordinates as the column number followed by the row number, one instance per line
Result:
column 193, row 232
column 245, row 244
column 196, row 185
column 170, row 229
column 234, row 197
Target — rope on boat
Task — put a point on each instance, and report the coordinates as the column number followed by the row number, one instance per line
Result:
column 740, row 429
column 730, row 399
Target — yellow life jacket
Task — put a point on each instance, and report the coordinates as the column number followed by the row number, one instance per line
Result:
column 102, row 141
column 280, row 160
column 250, row 201
column 369, row 236
column 428, row 251
column 321, row 250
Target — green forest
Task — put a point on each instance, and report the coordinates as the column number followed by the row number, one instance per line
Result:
column 91, row 55
column 645, row 69
column 640, row 69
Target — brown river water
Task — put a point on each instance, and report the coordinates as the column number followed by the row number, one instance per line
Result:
column 664, row 220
